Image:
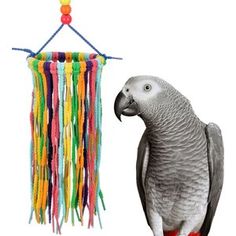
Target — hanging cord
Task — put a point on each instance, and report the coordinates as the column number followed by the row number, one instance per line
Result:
column 32, row 54
column 50, row 39
column 91, row 45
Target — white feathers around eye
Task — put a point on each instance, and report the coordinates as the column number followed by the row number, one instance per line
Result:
column 145, row 89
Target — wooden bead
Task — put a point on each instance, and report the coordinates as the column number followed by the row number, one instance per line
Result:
column 65, row 9
column 66, row 19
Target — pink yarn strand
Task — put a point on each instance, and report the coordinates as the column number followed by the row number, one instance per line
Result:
column 55, row 143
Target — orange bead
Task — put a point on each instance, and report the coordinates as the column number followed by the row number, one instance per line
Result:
column 65, row 9
column 66, row 19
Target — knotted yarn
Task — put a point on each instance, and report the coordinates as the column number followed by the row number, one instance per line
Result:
column 65, row 137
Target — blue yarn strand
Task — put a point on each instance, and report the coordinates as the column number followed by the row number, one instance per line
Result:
column 85, row 40
column 51, row 38
column 91, row 45
column 32, row 54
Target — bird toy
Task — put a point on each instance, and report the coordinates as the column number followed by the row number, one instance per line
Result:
column 66, row 132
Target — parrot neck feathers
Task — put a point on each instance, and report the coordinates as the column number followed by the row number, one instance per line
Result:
column 175, row 107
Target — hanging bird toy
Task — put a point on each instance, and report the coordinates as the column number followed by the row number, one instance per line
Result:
column 66, row 132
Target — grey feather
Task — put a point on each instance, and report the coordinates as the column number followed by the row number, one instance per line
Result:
column 177, row 179
column 141, row 166
column 216, row 165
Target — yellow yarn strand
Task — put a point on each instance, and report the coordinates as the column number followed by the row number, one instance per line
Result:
column 67, row 138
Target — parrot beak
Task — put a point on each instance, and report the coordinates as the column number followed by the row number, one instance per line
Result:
column 125, row 105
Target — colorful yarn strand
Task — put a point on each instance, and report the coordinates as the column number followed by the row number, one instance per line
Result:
column 66, row 137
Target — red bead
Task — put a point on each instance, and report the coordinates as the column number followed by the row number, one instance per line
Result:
column 65, row 9
column 66, row 19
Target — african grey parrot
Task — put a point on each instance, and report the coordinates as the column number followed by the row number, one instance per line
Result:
column 180, row 159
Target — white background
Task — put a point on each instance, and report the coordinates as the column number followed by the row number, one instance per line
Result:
column 191, row 44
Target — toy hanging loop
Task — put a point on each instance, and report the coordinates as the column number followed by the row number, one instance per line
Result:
column 66, row 20
column 31, row 53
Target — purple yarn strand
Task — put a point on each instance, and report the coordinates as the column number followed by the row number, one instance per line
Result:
column 50, row 113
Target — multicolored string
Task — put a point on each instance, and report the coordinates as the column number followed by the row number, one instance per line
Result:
column 66, row 137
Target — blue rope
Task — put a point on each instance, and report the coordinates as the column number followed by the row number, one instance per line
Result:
column 50, row 39
column 31, row 53
column 110, row 57
column 85, row 40
column 92, row 46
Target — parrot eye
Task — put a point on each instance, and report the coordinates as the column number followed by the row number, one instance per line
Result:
column 147, row 87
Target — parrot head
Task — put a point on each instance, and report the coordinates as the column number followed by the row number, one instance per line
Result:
column 142, row 95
